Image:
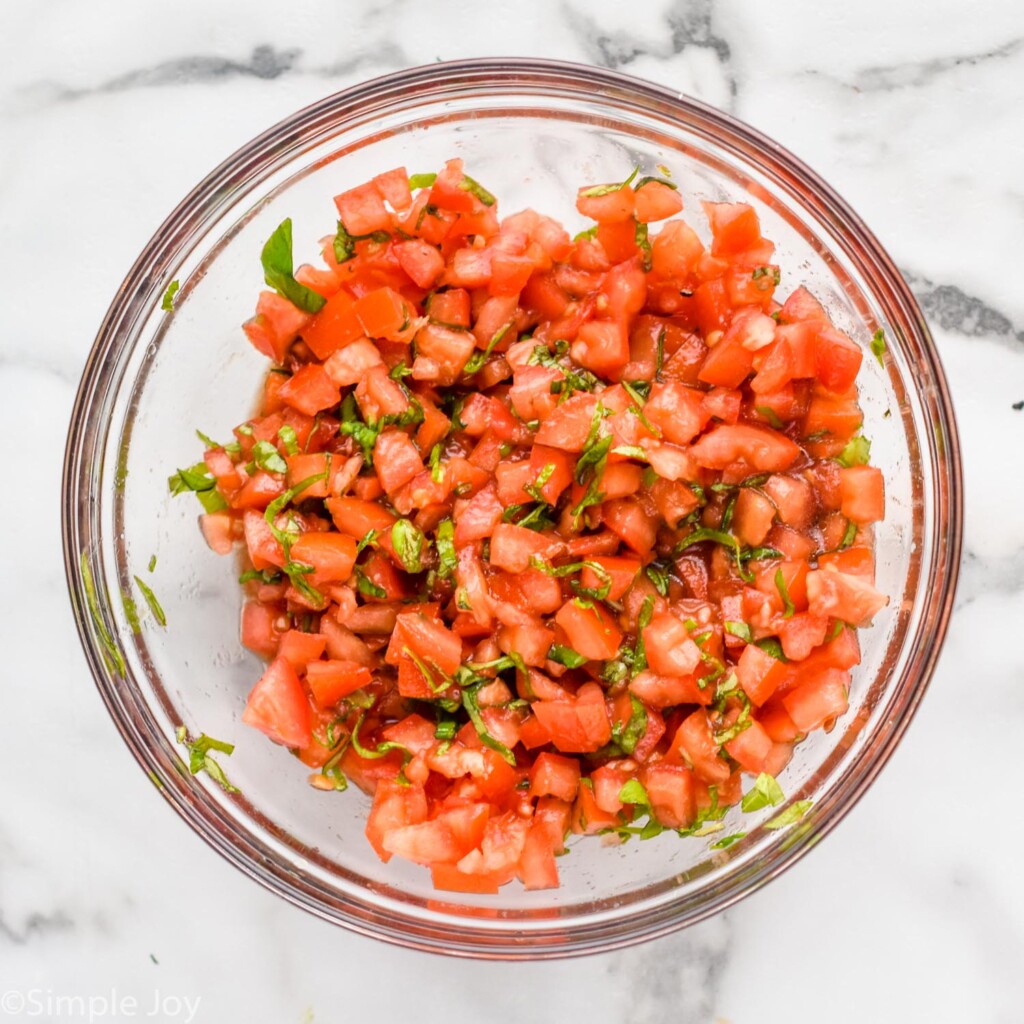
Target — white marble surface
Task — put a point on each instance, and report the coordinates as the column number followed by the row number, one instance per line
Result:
column 912, row 911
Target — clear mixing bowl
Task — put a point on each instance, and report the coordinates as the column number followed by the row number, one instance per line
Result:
column 532, row 131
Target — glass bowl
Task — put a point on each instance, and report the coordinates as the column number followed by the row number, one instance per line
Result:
column 531, row 131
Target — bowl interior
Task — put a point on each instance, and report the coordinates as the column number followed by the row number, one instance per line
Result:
column 154, row 378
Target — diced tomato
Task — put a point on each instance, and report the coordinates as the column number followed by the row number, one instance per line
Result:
column 574, row 726
column 759, row 448
column 606, row 204
column 394, row 806
column 422, row 262
column 734, row 227
column 862, row 494
column 591, row 631
column 383, row 313
column 331, row 555
column 818, row 700
column 840, row 595
column 396, row 459
column 671, row 793
column 554, row 775
column 278, row 707
column 670, row 651
column 695, row 742
column 329, row 681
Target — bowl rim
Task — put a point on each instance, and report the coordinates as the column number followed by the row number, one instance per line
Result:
column 334, row 112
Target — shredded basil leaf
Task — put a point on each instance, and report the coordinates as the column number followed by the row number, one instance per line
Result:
column 771, row 645
column 659, row 576
column 200, row 760
column 849, row 536
column 476, row 361
column 787, row 601
column 647, row 179
column 878, row 346
column 417, row 181
column 436, row 469
column 381, row 750
column 268, row 457
column 856, row 453
column 289, row 439
column 278, row 270
column 469, row 702
column 167, row 302
column 566, row 656
column 739, row 629
column 726, row 841
column 367, row 587
column 765, row 792
column 603, row 190
column 408, row 542
column 473, row 187
column 534, row 489
column 790, row 815
column 445, row 540
column 771, row 416
column 369, row 540
column 154, row 604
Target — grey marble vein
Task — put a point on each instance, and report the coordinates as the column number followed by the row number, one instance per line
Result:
column 951, row 308
column 36, row 925
column 688, row 24
column 675, row 979
column 916, row 74
column 983, row 577
column 265, row 63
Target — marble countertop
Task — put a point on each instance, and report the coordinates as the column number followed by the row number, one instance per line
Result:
column 913, row 910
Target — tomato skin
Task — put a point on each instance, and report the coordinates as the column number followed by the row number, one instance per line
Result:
column 332, row 556
column 693, row 739
column 362, row 210
column 591, row 631
column 568, row 426
column 329, row 681
column 613, row 207
column 394, row 806
column 334, row 327
column 762, row 449
column 554, row 775
column 278, row 707
column 575, row 726
column 275, row 325
column 821, row 698
column 837, row 360
column 301, row 648
column 862, row 494
column 602, row 346
column 671, row 792
column 259, row 630
column 421, row 261
column 842, row 596
column 734, row 227
column 759, row 673
column 383, row 313
column 665, row 691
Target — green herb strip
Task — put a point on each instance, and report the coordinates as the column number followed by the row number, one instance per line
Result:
column 603, row 190
column 154, row 604
column 167, row 302
column 278, row 270
column 200, row 760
